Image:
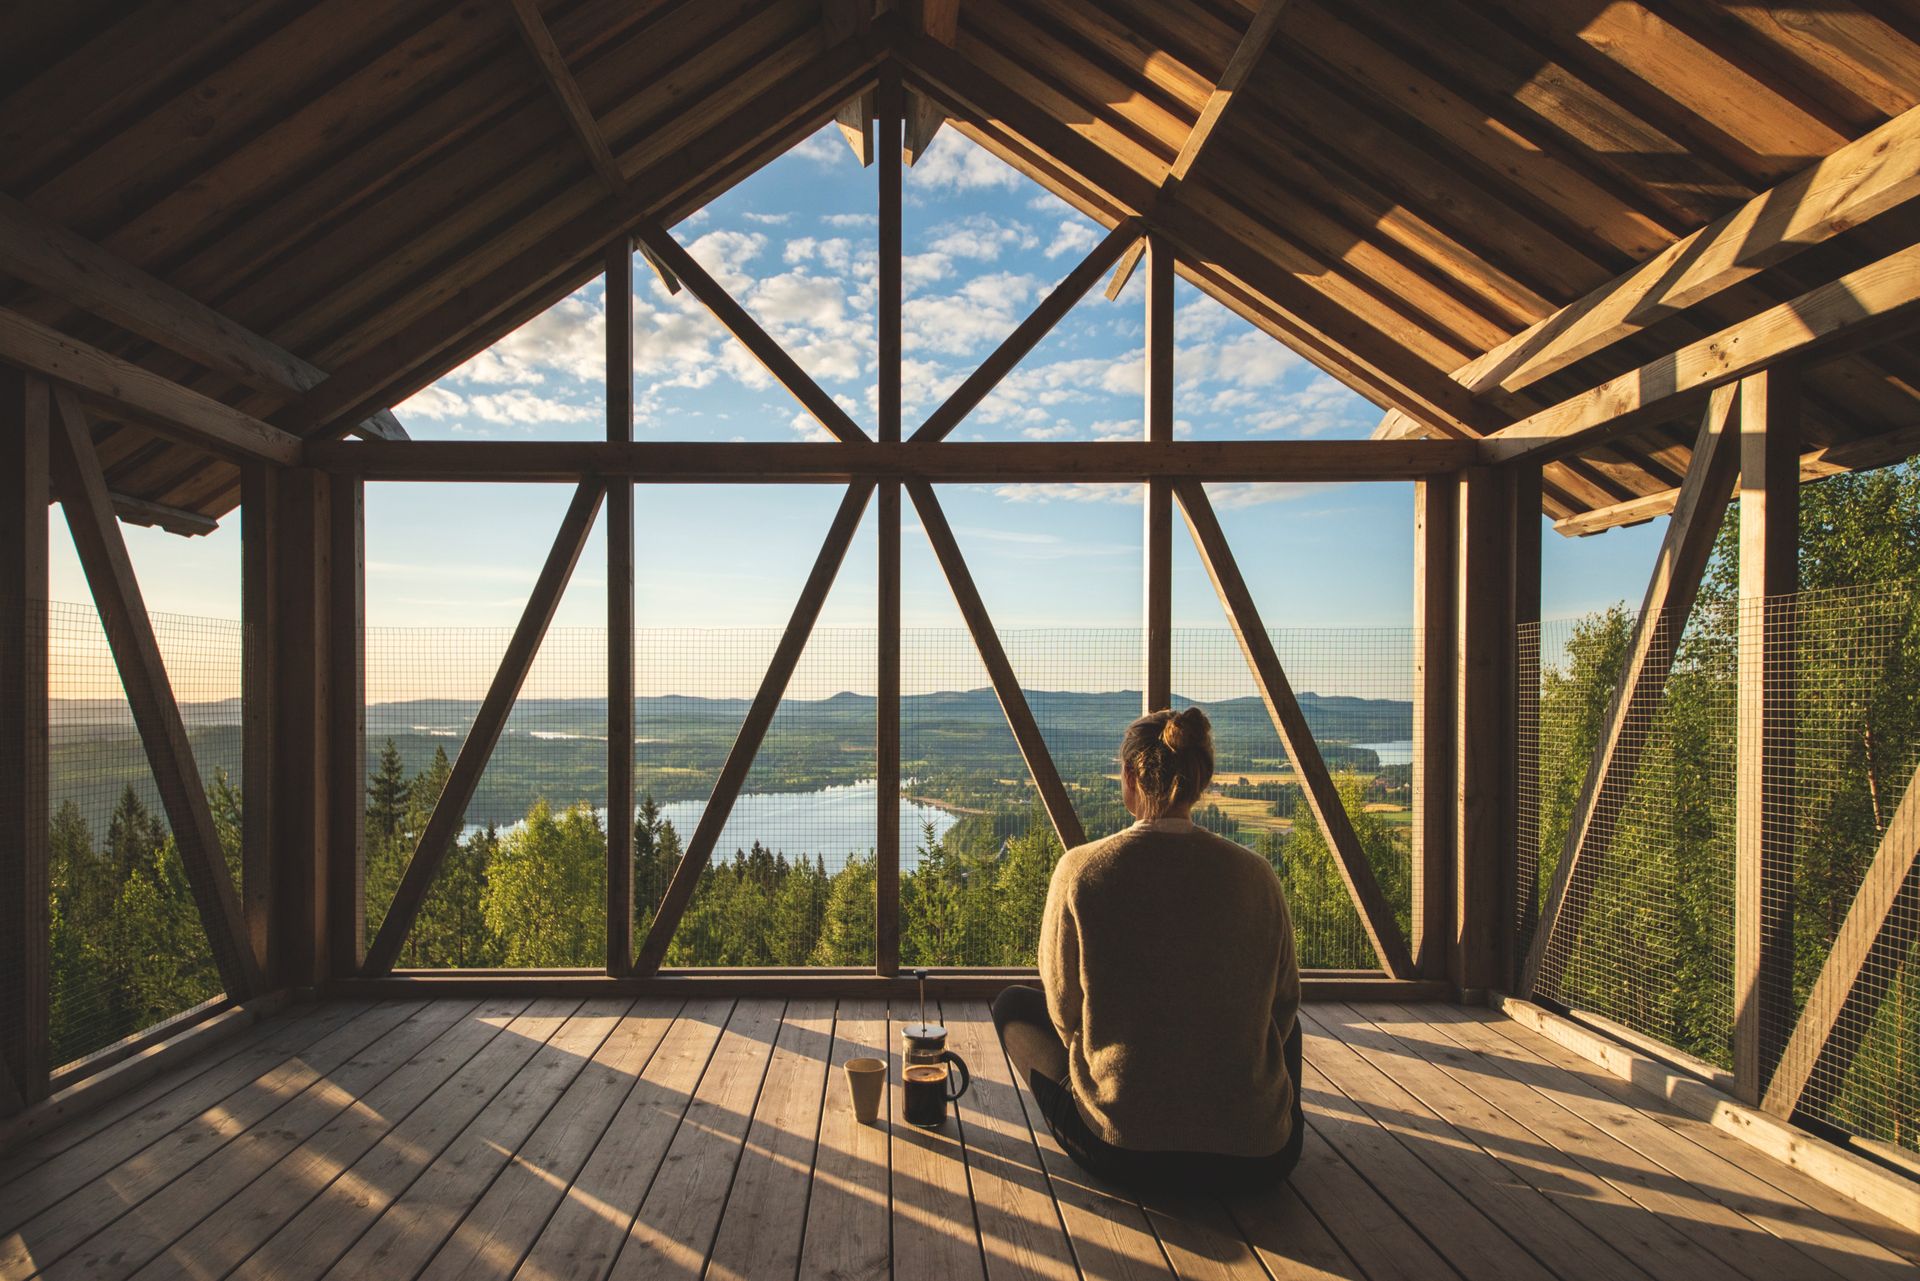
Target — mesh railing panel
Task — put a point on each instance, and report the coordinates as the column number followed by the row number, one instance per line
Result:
column 127, row 946
column 1646, row 932
column 1647, row 938
column 1854, row 739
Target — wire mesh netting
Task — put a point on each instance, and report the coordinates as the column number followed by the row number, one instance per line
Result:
column 1851, row 658
column 127, row 948
column 1646, row 932
column 1355, row 687
column 524, row 881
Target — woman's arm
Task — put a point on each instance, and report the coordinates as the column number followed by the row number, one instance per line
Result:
column 1060, row 957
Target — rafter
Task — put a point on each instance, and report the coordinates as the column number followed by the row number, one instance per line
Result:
column 940, row 22
column 450, row 808
column 143, row 674
column 82, row 274
column 753, row 730
column 1296, row 737
column 1867, row 177
column 1006, row 686
column 1677, row 571
column 1858, row 307
column 586, row 129
column 1246, row 55
column 158, row 402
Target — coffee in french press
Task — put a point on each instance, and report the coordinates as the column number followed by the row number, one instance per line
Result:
column 927, row 1068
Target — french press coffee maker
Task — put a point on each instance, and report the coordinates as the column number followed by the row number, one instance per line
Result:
column 927, row 1068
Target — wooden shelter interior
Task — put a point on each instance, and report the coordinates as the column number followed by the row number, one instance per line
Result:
column 1597, row 261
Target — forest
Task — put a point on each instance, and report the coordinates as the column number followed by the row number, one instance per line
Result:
column 1653, row 951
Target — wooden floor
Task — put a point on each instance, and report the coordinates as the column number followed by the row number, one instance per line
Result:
column 560, row 1138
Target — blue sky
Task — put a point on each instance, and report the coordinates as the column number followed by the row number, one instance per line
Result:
column 795, row 243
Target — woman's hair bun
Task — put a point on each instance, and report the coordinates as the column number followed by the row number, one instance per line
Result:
column 1180, row 730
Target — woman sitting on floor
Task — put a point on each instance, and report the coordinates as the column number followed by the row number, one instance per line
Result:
column 1165, row 1049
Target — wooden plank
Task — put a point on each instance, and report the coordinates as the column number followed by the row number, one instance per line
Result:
column 1323, row 799
column 321, row 1195
column 1888, row 1194
column 25, row 887
column 175, row 520
column 45, row 254
column 620, row 799
column 1866, row 953
column 1745, row 1220
column 1458, row 1230
column 581, row 1240
column 346, row 730
column 1677, row 571
column 1021, row 1233
column 1361, row 1218
column 1824, row 460
column 1483, row 729
column 1006, row 685
column 1369, row 1066
column 1157, row 538
column 1590, row 1175
column 806, row 981
column 1246, row 56
column 1291, row 1242
column 151, row 1134
column 503, row 1223
column 766, row 701
column 165, row 406
column 765, row 1222
column 735, row 320
column 1864, row 178
column 855, row 121
column 1861, row 306
column 947, row 462
column 977, row 385
column 1434, row 564
column 450, row 809
column 847, row 1235
column 673, row 1232
column 387, row 1213
column 1763, row 997
column 136, row 655
column 355, row 1086
column 934, row 1232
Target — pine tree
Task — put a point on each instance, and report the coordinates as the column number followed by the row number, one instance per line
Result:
column 846, row 934
column 388, row 796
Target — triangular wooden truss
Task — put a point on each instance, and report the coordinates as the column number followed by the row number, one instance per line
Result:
column 1322, row 797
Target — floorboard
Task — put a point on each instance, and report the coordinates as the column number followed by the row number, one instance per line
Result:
column 562, row 1140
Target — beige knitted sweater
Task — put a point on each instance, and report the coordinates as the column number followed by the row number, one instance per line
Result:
column 1167, row 956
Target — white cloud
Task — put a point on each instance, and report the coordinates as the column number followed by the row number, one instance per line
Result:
column 1239, row 495
column 520, row 406
column 954, row 163
column 568, row 338
column 1071, row 492
column 1320, row 407
column 1073, row 237
column 768, row 219
column 851, row 220
column 981, row 237
column 826, row 146
column 432, row 401
column 726, row 254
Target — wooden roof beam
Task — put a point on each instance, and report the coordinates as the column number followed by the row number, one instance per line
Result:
column 1861, row 180
column 939, row 21
column 155, row 401
column 80, row 273
column 1246, row 55
column 1856, row 308
column 573, row 105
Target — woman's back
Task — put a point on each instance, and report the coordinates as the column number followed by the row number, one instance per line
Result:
column 1167, row 957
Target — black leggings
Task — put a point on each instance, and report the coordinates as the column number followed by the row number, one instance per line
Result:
column 1026, row 1030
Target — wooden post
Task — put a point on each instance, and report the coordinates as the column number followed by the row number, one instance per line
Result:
column 345, row 637
column 1524, row 485
column 260, row 641
column 1763, row 787
column 302, row 835
column 1434, row 563
column 886, row 738
column 25, row 888
column 620, row 800
column 1483, row 728
column 1157, row 625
